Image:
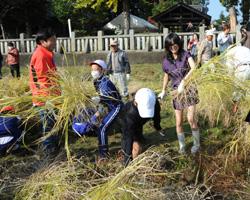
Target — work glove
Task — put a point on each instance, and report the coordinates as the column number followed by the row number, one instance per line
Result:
column 96, row 100
column 127, row 77
column 162, row 94
column 180, row 88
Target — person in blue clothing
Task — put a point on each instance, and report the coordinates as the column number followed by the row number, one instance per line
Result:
column 109, row 97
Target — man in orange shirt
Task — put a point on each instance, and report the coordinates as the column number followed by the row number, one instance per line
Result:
column 12, row 60
column 43, row 83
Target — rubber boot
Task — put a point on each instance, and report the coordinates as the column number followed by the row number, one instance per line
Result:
column 181, row 139
column 196, row 141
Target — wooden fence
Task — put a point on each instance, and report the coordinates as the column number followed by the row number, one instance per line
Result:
column 101, row 42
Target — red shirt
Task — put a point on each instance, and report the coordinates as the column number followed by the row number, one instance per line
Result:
column 43, row 75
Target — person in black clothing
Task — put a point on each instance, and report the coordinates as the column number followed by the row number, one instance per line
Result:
column 133, row 116
column 1, row 64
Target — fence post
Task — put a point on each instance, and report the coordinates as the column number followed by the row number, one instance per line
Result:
column 132, row 39
column 165, row 33
column 73, row 42
column 238, row 34
column 100, row 40
column 22, row 42
column 202, row 32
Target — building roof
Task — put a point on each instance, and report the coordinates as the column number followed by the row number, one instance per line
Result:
column 179, row 11
column 136, row 23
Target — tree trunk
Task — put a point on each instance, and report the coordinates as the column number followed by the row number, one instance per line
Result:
column 233, row 18
column 245, row 10
column 126, row 16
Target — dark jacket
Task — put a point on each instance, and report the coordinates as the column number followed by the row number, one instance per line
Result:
column 108, row 93
column 132, row 126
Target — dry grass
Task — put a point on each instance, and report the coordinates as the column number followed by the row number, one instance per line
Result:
column 157, row 173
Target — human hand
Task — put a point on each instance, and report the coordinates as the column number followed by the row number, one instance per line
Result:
column 96, row 99
column 127, row 77
column 162, row 94
column 180, row 88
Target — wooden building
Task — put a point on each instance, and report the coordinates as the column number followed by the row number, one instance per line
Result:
column 178, row 18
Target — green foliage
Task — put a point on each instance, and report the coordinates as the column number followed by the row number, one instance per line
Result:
column 222, row 18
column 229, row 3
column 163, row 5
column 17, row 15
column 82, row 17
column 96, row 4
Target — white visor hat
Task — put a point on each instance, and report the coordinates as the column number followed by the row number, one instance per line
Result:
column 145, row 99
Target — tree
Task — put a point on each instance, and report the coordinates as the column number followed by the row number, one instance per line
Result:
column 102, row 9
column 230, row 5
column 18, row 16
column 96, row 4
column 82, row 18
column 165, row 4
column 5, row 7
column 245, row 9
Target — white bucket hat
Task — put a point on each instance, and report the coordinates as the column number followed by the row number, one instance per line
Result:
column 145, row 99
column 101, row 63
column 209, row 32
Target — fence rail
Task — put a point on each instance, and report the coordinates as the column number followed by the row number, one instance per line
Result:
column 101, row 42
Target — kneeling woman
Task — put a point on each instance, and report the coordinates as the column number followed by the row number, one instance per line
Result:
column 178, row 66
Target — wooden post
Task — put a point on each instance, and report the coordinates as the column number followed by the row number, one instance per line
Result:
column 238, row 34
column 22, row 42
column 131, row 39
column 165, row 32
column 202, row 32
column 73, row 42
column 100, row 41
column 185, row 39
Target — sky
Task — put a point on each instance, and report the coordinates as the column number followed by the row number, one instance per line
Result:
column 215, row 9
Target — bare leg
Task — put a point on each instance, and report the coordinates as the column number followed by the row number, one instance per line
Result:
column 137, row 149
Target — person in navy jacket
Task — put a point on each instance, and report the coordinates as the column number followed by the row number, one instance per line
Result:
column 109, row 97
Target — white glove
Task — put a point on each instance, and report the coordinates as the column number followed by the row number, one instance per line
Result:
column 180, row 88
column 127, row 77
column 96, row 100
column 162, row 94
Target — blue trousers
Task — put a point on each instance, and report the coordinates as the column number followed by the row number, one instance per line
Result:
column 48, row 121
column 102, row 131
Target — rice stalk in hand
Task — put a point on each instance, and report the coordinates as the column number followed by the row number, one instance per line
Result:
column 219, row 91
column 74, row 100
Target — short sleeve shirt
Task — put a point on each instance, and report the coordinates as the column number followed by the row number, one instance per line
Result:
column 178, row 69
